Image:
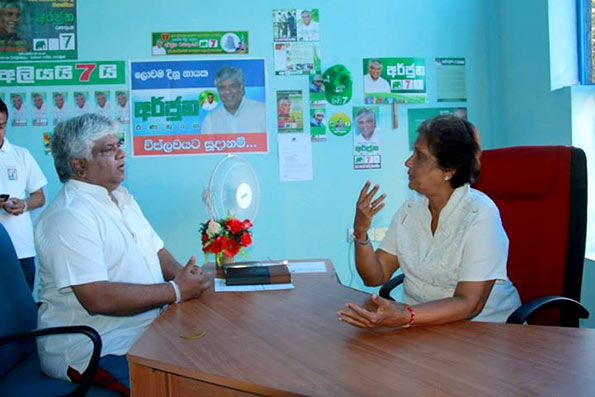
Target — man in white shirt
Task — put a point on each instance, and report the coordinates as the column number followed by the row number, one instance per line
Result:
column 122, row 110
column 19, row 176
column 158, row 48
column 210, row 103
column 40, row 110
column 238, row 113
column 101, row 262
column 307, row 30
column 372, row 81
column 60, row 111
column 102, row 106
column 366, row 134
column 19, row 110
column 81, row 106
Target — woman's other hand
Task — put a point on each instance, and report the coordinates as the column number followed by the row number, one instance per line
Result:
column 365, row 209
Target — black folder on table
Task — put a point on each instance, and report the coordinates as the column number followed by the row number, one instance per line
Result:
column 250, row 275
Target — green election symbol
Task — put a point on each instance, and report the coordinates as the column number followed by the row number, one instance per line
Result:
column 338, row 85
column 339, row 124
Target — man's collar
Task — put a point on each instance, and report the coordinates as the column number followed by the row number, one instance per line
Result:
column 6, row 146
column 87, row 187
column 99, row 191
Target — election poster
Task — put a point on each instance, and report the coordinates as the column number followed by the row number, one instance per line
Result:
column 62, row 73
column 198, row 107
column 185, row 43
column 35, row 30
column 366, row 138
column 290, row 116
column 450, row 78
column 296, row 25
column 402, row 80
column 63, row 90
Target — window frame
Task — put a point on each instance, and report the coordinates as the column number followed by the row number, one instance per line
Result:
column 585, row 41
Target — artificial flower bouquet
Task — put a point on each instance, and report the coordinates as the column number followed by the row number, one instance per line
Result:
column 225, row 237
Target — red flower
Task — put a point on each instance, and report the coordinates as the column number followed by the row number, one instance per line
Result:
column 218, row 244
column 234, row 225
column 205, row 238
column 246, row 239
column 232, row 248
column 246, row 224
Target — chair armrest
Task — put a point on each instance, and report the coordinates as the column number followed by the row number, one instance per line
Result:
column 528, row 309
column 390, row 285
column 87, row 376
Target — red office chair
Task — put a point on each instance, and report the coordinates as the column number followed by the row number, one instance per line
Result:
column 541, row 192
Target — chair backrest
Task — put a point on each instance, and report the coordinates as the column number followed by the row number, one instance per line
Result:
column 541, row 192
column 17, row 308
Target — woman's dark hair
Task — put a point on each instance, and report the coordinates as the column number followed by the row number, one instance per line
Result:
column 454, row 143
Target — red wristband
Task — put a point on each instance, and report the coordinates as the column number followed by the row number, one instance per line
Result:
column 411, row 318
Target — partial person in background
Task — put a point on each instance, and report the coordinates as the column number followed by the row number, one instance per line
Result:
column 101, row 262
column 291, row 24
column 22, row 180
column 372, row 81
column 447, row 239
column 238, row 113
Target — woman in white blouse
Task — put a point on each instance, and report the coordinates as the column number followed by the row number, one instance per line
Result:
column 447, row 239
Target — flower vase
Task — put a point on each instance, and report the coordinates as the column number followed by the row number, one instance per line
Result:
column 223, row 260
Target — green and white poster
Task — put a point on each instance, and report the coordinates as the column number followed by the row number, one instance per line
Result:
column 296, row 25
column 296, row 39
column 339, row 124
column 36, row 30
column 394, row 79
column 62, row 73
column 296, row 58
column 318, row 124
column 366, row 138
column 450, row 77
column 185, row 43
column 418, row 116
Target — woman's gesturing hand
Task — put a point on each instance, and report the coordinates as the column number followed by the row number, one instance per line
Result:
column 387, row 314
column 366, row 208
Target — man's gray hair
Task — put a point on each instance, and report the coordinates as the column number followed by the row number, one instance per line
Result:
column 74, row 138
column 365, row 113
column 229, row 72
column 374, row 62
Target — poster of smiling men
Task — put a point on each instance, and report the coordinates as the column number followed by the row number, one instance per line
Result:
column 169, row 116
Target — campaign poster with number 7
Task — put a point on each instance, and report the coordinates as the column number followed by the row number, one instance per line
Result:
column 33, row 30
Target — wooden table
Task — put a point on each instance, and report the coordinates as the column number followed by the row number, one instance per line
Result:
column 290, row 343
